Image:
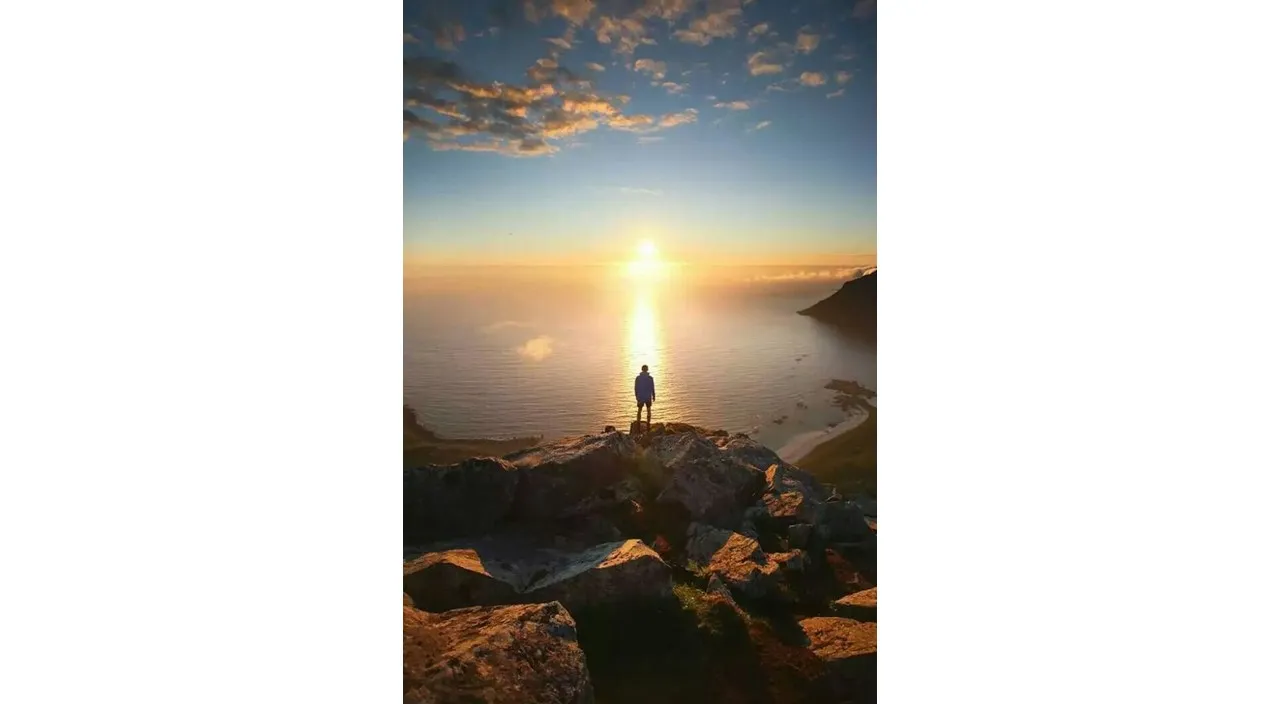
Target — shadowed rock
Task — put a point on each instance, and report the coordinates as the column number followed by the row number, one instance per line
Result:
column 860, row 606
column 848, row 648
column 503, row 572
column 842, row 522
column 494, row 655
column 736, row 559
column 574, row 476
column 707, row 483
column 444, row 501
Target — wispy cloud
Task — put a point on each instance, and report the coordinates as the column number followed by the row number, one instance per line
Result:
column 657, row 69
column 594, row 66
column 806, row 42
column 675, row 88
column 537, row 349
column 760, row 125
column 757, row 31
column 640, row 191
column 836, row 93
column 843, row 77
column 812, row 79
column 648, row 139
column 864, row 9
column 815, row 275
column 735, row 105
column 762, row 64
column 561, row 42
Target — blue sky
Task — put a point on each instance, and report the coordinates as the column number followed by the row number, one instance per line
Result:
column 562, row 131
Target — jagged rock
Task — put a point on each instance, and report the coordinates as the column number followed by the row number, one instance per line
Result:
column 707, row 483
column 792, row 495
column 575, row 476
column 501, row 572
column 639, row 427
column 748, row 450
column 610, row 429
column 407, row 600
column 444, row 501
column 798, row 535
column 842, row 522
column 735, row 559
column 790, row 561
column 860, row 606
column 494, row 655
column 848, row 648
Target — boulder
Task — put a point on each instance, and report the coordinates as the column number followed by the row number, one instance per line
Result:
column 798, row 535
column 407, row 600
column 848, row 649
column 574, row 476
column 792, row 495
column 747, row 450
column 494, row 655
column 842, row 522
column 860, row 606
column 706, row 483
column 736, row 559
column 791, row 561
column 639, row 427
column 506, row 572
column 445, row 501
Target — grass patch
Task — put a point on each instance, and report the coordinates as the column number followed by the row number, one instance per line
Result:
column 847, row 460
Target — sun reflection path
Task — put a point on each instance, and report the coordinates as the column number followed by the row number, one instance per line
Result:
column 644, row 345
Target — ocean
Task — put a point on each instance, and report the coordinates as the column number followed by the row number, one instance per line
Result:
column 514, row 351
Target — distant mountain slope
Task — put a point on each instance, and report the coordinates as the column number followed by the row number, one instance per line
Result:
column 852, row 308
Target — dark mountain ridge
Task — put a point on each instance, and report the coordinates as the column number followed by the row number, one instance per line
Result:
column 852, row 308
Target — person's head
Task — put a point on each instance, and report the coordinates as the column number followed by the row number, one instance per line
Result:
column 644, row 367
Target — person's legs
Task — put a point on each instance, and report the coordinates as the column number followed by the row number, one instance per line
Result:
column 648, row 413
column 638, row 407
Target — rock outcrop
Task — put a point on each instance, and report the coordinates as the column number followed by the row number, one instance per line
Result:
column 445, row 501
column 848, row 648
column 736, row 559
column 502, row 572
column 707, row 483
column 792, row 495
column 494, row 655
column 574, row 477
column 860, row 606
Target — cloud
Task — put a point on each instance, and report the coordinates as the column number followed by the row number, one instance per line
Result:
column 757, row 31
column 760, row 125
column 629, row 32
column 836, row 94
column 846, row 55
column 575, row 11
column 658, row 69
column 537, row 349
column 864, row 9
column 812, row 79
column 594, row 66
column 505, row 325
column 762, row 64
column 843, row 77
column 649, row 140
column 806, row 43
column 684, row 117
column 675, row 88
column 561, row 42
column 721, row 21
column 735, row 105
column 841, row 274
column 641, row 191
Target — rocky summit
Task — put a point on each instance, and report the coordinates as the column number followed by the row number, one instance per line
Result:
column 664, row 564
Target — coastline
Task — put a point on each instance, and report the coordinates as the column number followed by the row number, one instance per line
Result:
column 801, row 445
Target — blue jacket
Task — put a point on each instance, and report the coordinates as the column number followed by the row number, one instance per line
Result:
column 644, row 388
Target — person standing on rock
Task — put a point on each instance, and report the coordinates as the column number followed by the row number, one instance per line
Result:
column 645, row 394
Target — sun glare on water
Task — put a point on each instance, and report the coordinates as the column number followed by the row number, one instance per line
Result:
column 647, row 263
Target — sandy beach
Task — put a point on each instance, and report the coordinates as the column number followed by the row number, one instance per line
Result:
column 803, row 444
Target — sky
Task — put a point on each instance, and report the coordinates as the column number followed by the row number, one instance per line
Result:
column 568, row 131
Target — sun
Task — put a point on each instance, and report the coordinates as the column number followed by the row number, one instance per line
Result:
column 647, row 264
